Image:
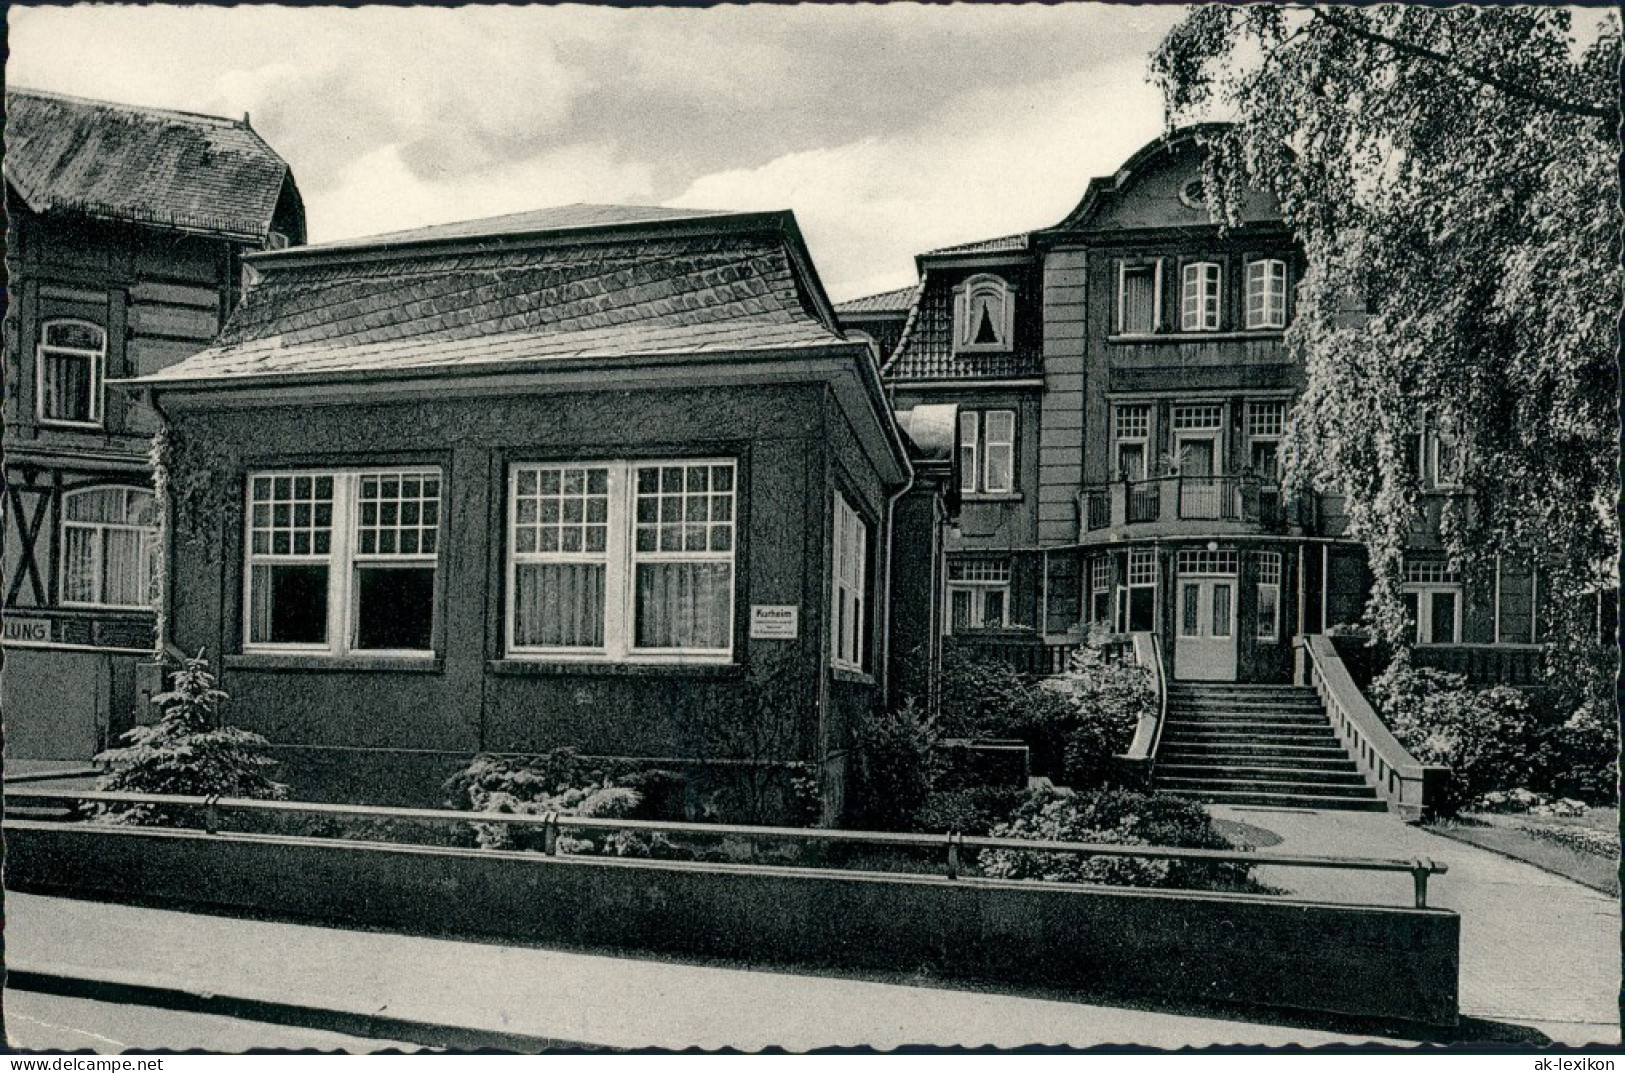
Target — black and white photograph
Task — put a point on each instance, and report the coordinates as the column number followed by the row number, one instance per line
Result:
column 965, row 528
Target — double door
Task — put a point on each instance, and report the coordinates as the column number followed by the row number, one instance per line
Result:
column 1205, row 637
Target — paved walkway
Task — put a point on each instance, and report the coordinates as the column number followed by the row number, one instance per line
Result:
column 587, row 999
column 1536, row 949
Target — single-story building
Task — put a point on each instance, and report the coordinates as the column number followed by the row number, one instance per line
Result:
column 597, row 476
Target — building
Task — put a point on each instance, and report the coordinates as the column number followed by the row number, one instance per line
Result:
column 127, row 228
column 1123, row 392
column 601, row 477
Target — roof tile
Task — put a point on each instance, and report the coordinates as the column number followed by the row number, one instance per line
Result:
column 927, row 352
column 619, row 294
column 114, row 161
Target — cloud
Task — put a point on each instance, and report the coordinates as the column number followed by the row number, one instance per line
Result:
column 888, row 127
column 381, row 192
column 1006, row 161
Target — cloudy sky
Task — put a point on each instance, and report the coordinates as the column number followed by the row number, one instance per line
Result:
column 889, row 129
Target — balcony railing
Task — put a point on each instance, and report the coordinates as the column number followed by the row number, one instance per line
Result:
column 1245, row 499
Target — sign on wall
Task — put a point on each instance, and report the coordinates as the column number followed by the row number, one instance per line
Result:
column 27, row 629
column 774, row 622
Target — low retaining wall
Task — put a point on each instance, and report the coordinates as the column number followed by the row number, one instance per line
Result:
column 1358, row 961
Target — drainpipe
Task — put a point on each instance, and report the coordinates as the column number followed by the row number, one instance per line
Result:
column 884, row 669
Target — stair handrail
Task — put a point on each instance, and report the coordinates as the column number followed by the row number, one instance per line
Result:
column 1410, row 787
column 1142, row 751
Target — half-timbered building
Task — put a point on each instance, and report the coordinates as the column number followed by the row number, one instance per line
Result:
column 126, row 230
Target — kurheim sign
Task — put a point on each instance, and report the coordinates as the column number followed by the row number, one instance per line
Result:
column 773, row 622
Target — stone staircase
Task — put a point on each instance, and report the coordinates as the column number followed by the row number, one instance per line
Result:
column 1231, row 744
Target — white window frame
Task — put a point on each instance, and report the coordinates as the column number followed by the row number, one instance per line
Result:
column 976, row 448
column 1005, row 445
column 849, row 610
column 620, row 559
column 1131, row 425
column 1124, row 268
column 1100, row 588
column 1144, row 572
column 1201, row 298
column 1269, row 579
column 342, row 559
column 1263, row 426
column 98, row 368
column 1266, row 296
column 977, row 578
column 1425, row 578
column 148, row 538
column 1000, row 298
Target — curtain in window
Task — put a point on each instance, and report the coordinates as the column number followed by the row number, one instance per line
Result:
column 683, row 605
column 67, row 387
column 1139, row 295
column 79, row 566
column 559, row 605
column 124, row 567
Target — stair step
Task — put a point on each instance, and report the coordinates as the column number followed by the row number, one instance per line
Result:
column 1257, row 773
column 1283, row 800
column 1266, row 786
column 1272, row 736
column 1179, row 689
column 1241, row 704
column 1219, row 719
column 1251, row 758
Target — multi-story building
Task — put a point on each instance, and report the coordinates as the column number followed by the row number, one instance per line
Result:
column 125, row 231
column 1123, row 391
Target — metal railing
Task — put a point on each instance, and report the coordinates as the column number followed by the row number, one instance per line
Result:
column 953, row 846
column 1228, row 498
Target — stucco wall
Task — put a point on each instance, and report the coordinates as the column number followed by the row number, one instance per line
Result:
column 471, row 698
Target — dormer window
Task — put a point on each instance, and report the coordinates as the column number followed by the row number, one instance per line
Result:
column 984, row 314
column 1199, row 304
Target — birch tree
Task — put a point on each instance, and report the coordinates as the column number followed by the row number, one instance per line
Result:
column 1451, row 173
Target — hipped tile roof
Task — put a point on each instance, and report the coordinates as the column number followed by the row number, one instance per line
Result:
column 1002, row 244
column 560, row 218
column 897, row 301
column 167, row 169
column 430, row 309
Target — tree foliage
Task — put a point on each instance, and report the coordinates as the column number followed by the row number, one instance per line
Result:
column 187, row 752
column 1451, row 173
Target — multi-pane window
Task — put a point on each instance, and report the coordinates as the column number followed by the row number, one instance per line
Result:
column 1432, row 595
column 1266, row 293
column 1137, row 600
column 1265, row 424
column 1433, row 455
column 343, row 561
column 1200, row 297
column 849, row 615
column 987, row 450
column 1131, row 426
column 1203, row 561
column 978, row 594
column 618, row 560
column 1139, row 298
column 1100, row 589
column 109, row 547
column 984, row 314
column 1198, row 418
column 72, row 355
column 1269, row 596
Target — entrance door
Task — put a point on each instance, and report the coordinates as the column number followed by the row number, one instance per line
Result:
column 1205, row 644
column 1198, row 490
